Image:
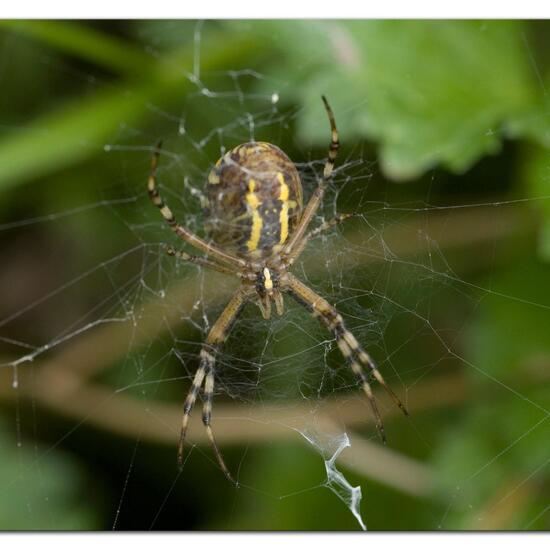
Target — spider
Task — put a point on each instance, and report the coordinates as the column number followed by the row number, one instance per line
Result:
column 257, row 228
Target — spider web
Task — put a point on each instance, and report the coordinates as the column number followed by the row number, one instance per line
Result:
column 112, row 341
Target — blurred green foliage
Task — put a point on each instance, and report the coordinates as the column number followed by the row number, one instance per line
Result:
column 428, row 92
column 512, row 346
column 42, row 493
column 461, row 103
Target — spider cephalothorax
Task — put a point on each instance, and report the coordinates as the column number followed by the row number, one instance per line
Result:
column 257, row 228
column 268, row 289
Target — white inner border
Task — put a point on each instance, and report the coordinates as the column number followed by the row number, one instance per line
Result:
column 217, row 9
column 319, row 541
column 264, row 9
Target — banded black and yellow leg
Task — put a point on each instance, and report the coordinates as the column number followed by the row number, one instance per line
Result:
column 188, row 405
column 299, row 248
column 334, row 142
column 330, row 223
column 198, row 260
column 217, row 335
column 317, row 197
column 354, row 354
column 178, row 229
column 364, row 382
column 206, row 418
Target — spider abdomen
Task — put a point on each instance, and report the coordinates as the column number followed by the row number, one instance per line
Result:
column 254, row 199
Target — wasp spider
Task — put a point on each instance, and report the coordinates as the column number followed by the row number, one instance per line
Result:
column 257, row 228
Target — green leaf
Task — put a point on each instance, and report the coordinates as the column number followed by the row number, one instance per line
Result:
column 428, row 92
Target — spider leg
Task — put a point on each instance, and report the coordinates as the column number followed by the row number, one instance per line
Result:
column 355, row 355
column 178, row 229
column 198, row 260
column 206, row 417
column 299, row 248
column 339, row 218
column 317, row 197
column 217, row 335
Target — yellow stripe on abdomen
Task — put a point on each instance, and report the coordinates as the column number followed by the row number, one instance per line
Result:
column 283, row 194
column 283, row 220
column 255, row 232
column 283, row 215
column 257, row 221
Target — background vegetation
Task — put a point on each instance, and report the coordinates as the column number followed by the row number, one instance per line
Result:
column 442, row 113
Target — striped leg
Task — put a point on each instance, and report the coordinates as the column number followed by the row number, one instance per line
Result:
column 355, row 355
column 339, row 218
column 178, row 229
column 317, row 197
column 189, row 402
column 198, row 260
column 217, row 335
column 206, row 417
column 299, row 248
